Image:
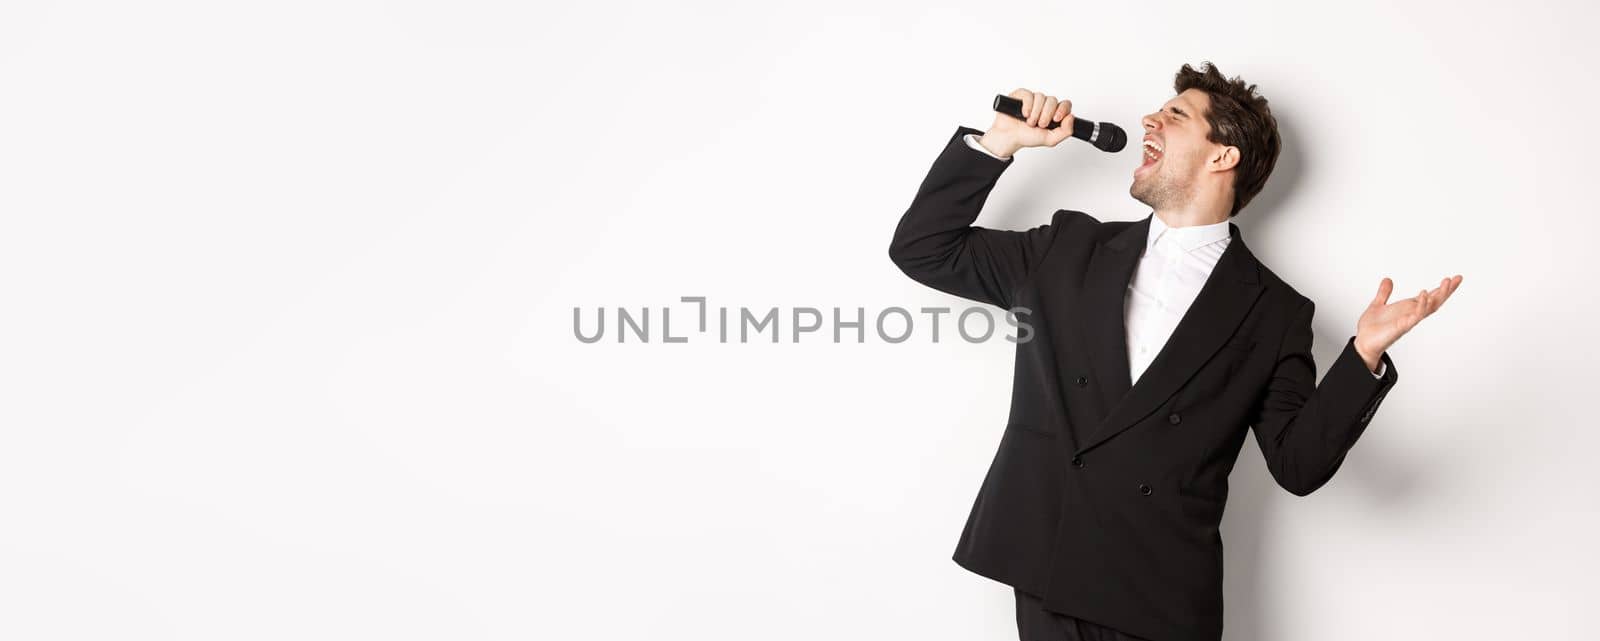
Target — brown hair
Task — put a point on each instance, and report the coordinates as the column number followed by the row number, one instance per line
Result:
column 1238, row 117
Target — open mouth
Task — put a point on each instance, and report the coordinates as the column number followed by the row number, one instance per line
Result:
column 1152, row 154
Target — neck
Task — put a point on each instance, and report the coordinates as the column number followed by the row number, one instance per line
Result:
column 1205, row 209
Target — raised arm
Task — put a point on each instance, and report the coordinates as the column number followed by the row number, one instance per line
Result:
column 936, row 243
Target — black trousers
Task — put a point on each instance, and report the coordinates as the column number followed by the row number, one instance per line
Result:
column 1034, row 623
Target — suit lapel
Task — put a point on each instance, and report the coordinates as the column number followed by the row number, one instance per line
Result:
column 1226, row 297
column 1105, row 297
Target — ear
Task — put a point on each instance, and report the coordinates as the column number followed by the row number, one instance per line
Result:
column 1225, row 158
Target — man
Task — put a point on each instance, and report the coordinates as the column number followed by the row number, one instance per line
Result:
column 1157, row 345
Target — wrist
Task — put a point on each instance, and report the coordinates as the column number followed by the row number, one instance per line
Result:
column 999, row 145
column 1369, row 354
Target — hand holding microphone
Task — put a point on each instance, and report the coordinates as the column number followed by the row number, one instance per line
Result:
column 1032, row 119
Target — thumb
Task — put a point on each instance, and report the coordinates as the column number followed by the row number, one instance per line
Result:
column 1062, row 131
column 1054, row 137
column 1384, row 289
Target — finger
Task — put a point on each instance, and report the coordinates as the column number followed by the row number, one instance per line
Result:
column 1385, row 287
column 1441, row 297
column 1050, row 108
column 1444, row 285
column 1443, row 293
column 1027, row 101
column 1038, row 108
column 1451, row 288
column 1062, row 110
column 1437, row 296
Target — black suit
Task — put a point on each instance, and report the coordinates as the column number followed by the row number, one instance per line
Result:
column 1105, row 498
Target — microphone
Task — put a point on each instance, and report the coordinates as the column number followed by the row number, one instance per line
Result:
column 1103, row 135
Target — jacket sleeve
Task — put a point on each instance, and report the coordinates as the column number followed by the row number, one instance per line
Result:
column 1305, row 429
column 937, row 245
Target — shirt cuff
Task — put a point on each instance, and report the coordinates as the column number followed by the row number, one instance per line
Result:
column 1382, row 367
column 972, row 141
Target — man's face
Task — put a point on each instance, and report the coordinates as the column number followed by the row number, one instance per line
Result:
column 1175, row 151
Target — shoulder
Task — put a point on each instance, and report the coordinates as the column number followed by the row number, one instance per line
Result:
column 1075, row 235
column 1074, row 218
column 1087, row 226
column 1282, row 294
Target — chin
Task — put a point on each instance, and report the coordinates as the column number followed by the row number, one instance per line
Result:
column 1138, row 194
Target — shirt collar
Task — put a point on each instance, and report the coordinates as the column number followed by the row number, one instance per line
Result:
column 1188, row 237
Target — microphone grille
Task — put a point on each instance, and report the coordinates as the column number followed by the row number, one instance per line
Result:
column 1112, row 138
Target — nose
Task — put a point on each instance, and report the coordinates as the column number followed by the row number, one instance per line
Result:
column 1151, row 123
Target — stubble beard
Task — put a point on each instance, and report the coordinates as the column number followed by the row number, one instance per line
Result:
column 1157, row 191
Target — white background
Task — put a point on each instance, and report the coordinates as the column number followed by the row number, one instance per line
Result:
column 288, row 292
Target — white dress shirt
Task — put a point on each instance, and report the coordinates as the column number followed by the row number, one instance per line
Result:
column 1174, row 266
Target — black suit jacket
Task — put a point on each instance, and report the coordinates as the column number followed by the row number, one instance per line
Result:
column 1105, row 499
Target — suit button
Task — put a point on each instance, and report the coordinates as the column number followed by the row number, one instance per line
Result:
column 1174, row 419
column 1082, row 381
column 1144, row 489
column 1077, row 461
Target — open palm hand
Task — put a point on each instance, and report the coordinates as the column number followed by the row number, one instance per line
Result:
column 1383, row 322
